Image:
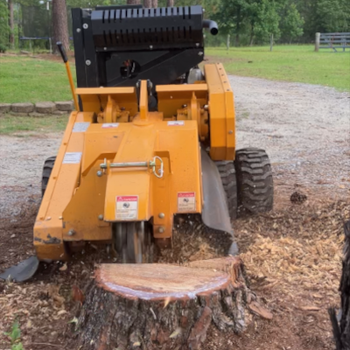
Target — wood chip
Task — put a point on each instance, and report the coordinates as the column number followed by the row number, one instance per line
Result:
column 259, row 310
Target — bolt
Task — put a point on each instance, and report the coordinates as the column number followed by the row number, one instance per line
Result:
column 88, row 62
column 85, row 26
column 200, row 53
column 206, row 107
column 161, row 215
column 197, row 44
column 99, row 173
column 71, row 233
column 78, row 30
column 184, row 106
column 230, row 132
column 161, row 229
column 105, row 48
column 151, row 47
column 100, row 217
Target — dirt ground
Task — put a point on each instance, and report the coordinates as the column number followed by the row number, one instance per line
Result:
column 292, row 255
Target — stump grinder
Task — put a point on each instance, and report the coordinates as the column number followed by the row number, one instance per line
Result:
column 152, row 136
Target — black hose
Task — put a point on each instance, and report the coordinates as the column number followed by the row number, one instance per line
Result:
column 212, row 25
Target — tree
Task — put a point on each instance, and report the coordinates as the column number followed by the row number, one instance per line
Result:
column 292, row 24
column 60, row 23
column 4, row 27
column 231, row 15
column 133, row 2
column 266, row 20
column 170, row 3
column 334, row 15
column 11, row 24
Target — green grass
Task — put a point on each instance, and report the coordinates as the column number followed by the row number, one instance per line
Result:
column 25, row 79
column 296, row 63
column 21, row 126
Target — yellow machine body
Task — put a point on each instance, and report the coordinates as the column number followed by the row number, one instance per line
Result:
column 118, row 161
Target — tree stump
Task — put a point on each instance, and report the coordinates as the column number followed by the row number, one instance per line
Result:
column 341, row 322
column 159, row 306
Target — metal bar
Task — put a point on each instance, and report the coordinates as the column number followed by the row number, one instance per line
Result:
column 124, row 165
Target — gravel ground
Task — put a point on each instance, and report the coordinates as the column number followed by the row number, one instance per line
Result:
column 304, row 128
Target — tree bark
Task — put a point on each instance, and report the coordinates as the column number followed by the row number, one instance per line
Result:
column 133, row 2
column 147, row 3
column 159, row 306
column 154, row 3
column 341, row 328
column 60, row 24
column 11, row 25
column 170, row 3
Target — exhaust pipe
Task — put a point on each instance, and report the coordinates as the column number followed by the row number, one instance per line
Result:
column 211, row 25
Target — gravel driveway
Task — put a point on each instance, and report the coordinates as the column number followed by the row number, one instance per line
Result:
column 304, row 128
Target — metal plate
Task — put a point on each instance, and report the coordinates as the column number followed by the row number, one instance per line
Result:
column 23, row 271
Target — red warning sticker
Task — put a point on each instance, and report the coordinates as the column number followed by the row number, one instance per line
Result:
column 186, row 202
column 126, row 208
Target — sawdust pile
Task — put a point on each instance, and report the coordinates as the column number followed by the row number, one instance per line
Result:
column 306, row 251
column 192, row 240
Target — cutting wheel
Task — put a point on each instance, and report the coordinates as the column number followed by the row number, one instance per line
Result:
column 133, row 242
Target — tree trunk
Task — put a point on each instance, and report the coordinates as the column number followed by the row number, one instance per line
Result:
column 154, row 3
column 11, row 25
column 159, row 306
column 147, row 3
column 238, row 25
column 133, row 2
column 251, row 35
column 60, row 24
column 170, row 3
column 341, row 330
column 271, row 42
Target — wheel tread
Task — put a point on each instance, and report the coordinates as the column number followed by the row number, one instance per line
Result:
column 254, row 180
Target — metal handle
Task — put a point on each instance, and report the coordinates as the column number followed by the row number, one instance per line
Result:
column 62, row 51
column 151, row 164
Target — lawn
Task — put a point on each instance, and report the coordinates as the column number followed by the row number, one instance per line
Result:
column 10, row 124
column 296, row 63
column 26, row 79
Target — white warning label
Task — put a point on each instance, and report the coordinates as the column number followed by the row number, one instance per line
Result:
column 126, row 207
column 110, row 125
column 80, row 126
column 176, row 122
column 186, row 202
column 72, row 158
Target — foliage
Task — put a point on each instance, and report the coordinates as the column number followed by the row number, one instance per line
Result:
column 4, row 27
column 292, row 24
column 247, row 21
column 15, row 336
column 3, row 48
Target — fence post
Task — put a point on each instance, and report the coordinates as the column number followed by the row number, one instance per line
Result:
column 228, row 41
column 317, row 41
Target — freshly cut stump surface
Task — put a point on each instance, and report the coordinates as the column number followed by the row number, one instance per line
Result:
column 159, row 306
column 159, row 281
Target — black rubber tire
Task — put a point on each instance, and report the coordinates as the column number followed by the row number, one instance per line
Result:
column 254, row 180
column 47, row 169
column 228, row 177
